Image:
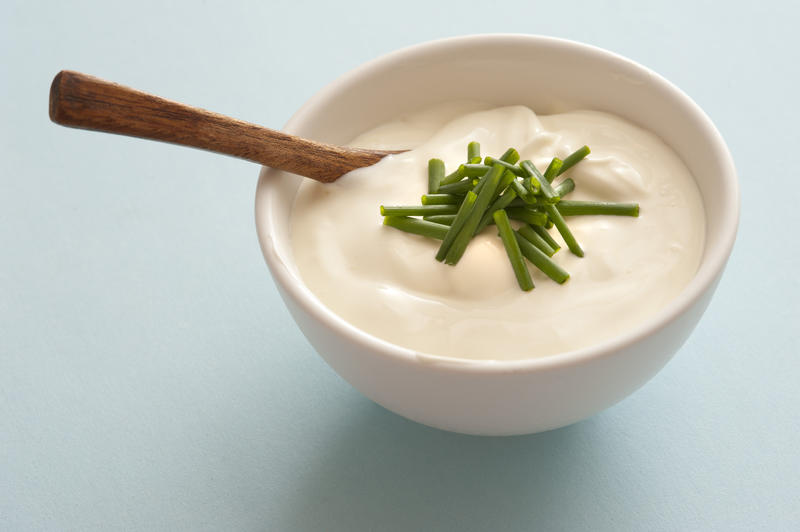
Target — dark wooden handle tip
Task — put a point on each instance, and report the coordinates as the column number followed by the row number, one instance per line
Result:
column 55, row 95
column 82, row 101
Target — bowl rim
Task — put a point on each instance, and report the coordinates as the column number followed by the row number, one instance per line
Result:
column 708, row 272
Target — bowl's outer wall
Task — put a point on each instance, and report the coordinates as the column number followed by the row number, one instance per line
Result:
column 497, row 404
column 446, row 395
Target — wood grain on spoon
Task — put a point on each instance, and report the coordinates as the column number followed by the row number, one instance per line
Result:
column 82, row 101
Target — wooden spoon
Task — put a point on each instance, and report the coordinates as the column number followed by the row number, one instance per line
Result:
column 82, row 101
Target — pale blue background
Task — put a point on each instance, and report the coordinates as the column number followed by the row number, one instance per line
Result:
column 151, row 379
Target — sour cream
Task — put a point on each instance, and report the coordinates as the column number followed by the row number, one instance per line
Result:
column 387, row 282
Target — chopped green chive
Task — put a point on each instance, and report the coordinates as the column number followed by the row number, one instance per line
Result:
column 536, row 176
column 445, row 219
column 524, row 194
column 461, row 187
column 534, row 238
column 524, row 214
column 500, row 203
column 505, row 181
column 541, row 261
column 440, row 199
column 435, row 175
column 553, row 169
column 481, row 204
column 511, row 156
column 476, row 170
column 460, row 205
column 574, row 158
column 542, row 232
column 513, row 250
column 454, row 177
column 564, row 188
column 417, row 226
column 479, row 185
column 455, row 227
column 561, row 225
column 532, row 186
column 417, row 210
column 474, row 152
column 516, row 170
column 575, row 208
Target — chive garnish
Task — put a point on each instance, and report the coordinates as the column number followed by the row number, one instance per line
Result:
column 524, row 214
column 531, row 186
column 440, row 199
column 574, row 158
column 502, row 186
column 513, row 250
column 511, row 156
column 516, row 170
column 542, row 232
column 444, row 219
column 541, row 261
column 458, row 222
column 474, row 152
column 453, row 177
column 500, row 203
column 435, row 175
column 565, row 187
column 460, row 205
column 417, row 226
column 561, row 225
column 479, row 185
column 547, row 191
column 553, row 169
column 534, row 238
column 461, row 187
column 523, row 193
column 575, row 208
column 417, row 210
column 476, row 170
column 504, row 183
column 473, row 219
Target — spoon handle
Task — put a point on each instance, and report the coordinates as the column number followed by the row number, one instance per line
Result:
column 82, row 101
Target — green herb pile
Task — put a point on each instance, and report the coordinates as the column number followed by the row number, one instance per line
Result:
column 486, row 191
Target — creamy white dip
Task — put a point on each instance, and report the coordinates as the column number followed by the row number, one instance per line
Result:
column 387, row 282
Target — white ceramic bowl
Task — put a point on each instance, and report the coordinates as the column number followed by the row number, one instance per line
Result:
column 549, row 75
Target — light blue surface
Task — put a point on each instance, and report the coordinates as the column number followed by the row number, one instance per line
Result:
column 151, row 378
